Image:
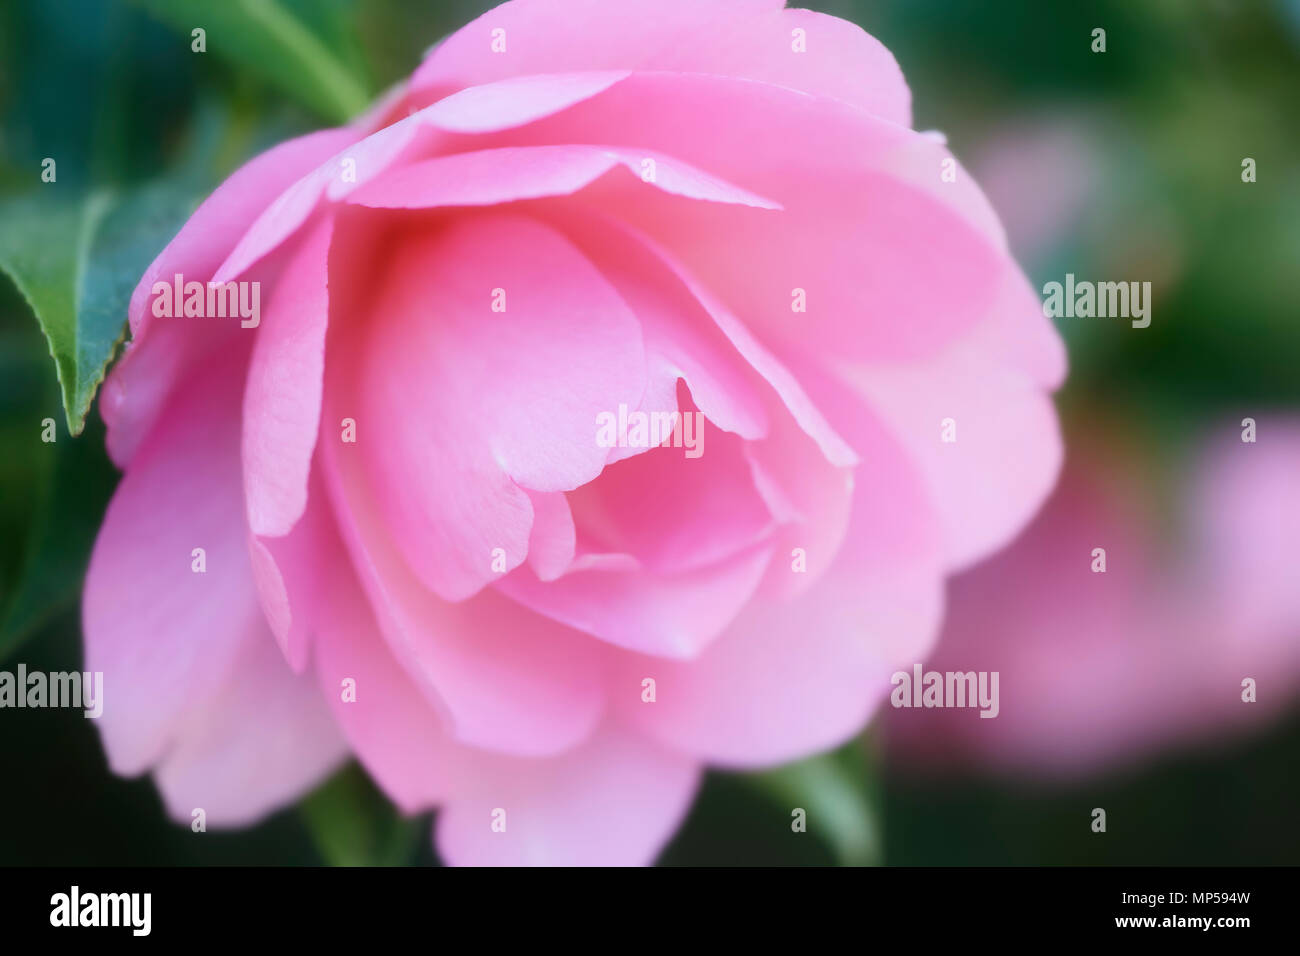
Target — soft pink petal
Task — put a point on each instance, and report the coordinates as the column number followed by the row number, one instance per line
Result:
column 535, row 696
column 261, row 743
column 140, row 385
column 840, row 60
column 993, row 385
column 391, row 726
column 810, row 499
column 613, row 802
column 751, row 39
column 674, row 513
column 478, row 110
column 491, row 176
column 672, row 616
column 893, row 261
column 765, row 362
column 291, row 572
column 165, row 637
column 209, row 235
column 553, row 538
column 794, row 676
column 162, row 351
column 681, row 339
column 283, row 395
column 355, row 163
column 515, row 101
column 505, row 399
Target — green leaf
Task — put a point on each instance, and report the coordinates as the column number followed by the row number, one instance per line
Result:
column 355, row 825
column 836, row 791
column 77, row 264
column 269, row 39
column 43, row 248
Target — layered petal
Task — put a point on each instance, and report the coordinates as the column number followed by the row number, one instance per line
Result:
column 875, row 255
column 484, row 109
column 490, row 176
column 501, row 678
column 762, row 360
column 682, row 342
column 510, row 344
column 219, row 223
column 801, row 674
column 163, row 350
column 674, row 508
column 671, row 615
column 169, row 598
column 283, row 397
column 389, row 723
column 261, row 742
column 292, row 575
column 749, row 39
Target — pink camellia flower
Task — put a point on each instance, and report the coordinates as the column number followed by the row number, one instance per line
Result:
column 418, row 468
column 1111, row 646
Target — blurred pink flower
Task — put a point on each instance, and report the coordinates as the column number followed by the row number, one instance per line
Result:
column 1040, row 174
column 574, row 209
column 1100, row 669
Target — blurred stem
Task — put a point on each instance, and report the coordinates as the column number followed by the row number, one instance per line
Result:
column 837, row 789
column 353, row 824
column 264, row 38
column 328, row 73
